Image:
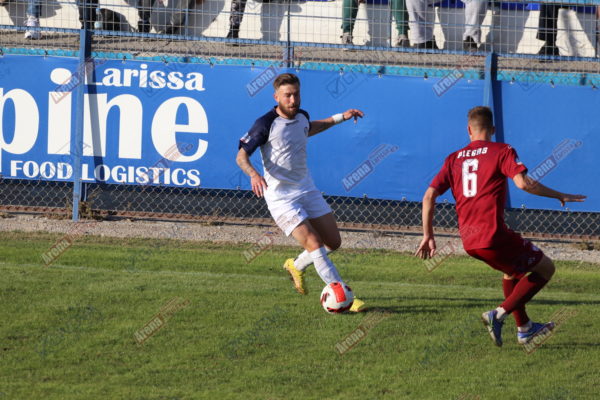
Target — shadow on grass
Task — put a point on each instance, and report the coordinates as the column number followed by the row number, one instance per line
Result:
column 569, row 346
column 402, row 310
column 483, row 301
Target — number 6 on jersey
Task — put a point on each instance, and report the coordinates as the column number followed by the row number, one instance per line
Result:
column 469, row 177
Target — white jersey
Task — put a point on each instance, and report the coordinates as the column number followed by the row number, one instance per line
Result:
column 282, row 145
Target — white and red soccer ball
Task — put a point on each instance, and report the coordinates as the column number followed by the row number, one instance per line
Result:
column 337, row 297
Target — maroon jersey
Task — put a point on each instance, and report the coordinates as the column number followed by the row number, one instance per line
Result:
column 477, row 176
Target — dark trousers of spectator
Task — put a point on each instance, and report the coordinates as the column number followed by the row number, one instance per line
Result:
column 400, row 14
column 350, row 10
column 177, row 16
column 349, row 13
column 598, row 31
column 235, row 17
column 87, row 13
column 547, row 24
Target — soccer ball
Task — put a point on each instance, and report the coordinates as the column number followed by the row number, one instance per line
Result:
column 337, row 297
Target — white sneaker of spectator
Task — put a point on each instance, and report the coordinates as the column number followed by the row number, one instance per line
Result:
column 32, row 22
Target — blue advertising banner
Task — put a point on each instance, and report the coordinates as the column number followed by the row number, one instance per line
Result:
column 144, row 123
column 153, row 123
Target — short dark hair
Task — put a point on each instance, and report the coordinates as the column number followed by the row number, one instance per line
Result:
column 286, row 79
column 481, row 118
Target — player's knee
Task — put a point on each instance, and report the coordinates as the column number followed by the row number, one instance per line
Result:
column 550, row 269
column 545, row 268
column 313, row 242
column 334, row 244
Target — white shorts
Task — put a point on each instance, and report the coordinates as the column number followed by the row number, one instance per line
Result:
column 288, row 213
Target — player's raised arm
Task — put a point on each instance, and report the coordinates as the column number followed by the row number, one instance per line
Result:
column 427, row 247
column 526, row 183
column 256, row 180
column 324, row 124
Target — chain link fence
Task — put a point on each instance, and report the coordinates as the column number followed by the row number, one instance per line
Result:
column 387, row 32
column 216, row 206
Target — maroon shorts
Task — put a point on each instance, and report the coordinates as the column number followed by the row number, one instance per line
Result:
column 515, row 256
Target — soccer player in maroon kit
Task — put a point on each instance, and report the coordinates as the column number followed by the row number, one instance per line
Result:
column 477, row 176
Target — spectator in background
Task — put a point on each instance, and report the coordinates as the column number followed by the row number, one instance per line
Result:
column 87, row 13
column 598, row 31
column 86, row 9
column 34, row 10
column 349, row 12
column 422, row 18
column 475, row 11
column 399, row 12
column 176, row 22
column 235, row 18
column 547, row 29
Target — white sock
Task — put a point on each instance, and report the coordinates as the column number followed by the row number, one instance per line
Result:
column 525, row 327
column 324, row 266
column 304, row 260
column 501, row 314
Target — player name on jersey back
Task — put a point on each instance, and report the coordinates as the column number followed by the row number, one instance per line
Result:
column 472, row 152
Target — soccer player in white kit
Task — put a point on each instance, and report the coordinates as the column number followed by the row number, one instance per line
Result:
column 295, row 203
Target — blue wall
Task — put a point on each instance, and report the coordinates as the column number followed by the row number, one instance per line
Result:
column 537, row 120
column 410, row 125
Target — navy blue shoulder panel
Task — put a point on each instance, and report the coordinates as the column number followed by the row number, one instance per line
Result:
column 258, row 133
column 305, row 113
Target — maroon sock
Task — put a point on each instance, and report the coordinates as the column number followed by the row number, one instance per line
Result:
column 519, row 313
column 523, row 292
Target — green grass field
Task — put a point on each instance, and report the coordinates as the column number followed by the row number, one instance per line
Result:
column 67, row 330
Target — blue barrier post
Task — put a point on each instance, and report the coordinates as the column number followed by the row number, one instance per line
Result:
column 490, row 78
column 289, row 50
column 84, row 51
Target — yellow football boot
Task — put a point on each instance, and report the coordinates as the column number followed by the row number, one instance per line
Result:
column 296, row 276
column 358, row 306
